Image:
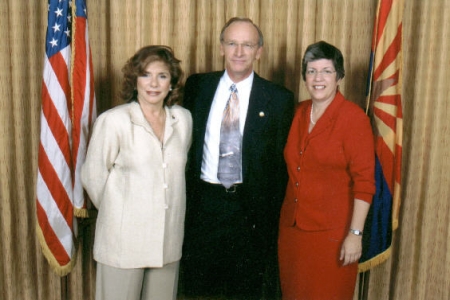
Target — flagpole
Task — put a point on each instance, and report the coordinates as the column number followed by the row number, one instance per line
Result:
column 363, row 290
column 64, row 280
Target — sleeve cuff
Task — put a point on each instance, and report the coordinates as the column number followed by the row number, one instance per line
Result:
column 364, row 197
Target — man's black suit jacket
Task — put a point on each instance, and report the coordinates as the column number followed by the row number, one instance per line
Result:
column 269, row 116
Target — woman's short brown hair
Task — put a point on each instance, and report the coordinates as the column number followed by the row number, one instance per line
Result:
column 137, row 64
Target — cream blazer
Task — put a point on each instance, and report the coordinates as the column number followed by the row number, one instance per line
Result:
column 138, row 186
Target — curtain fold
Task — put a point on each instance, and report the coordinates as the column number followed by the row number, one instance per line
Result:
column 420, row 260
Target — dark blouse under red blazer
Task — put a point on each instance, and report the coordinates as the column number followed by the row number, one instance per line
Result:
column 329, row 167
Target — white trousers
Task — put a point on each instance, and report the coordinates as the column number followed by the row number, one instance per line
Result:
column 137, row 284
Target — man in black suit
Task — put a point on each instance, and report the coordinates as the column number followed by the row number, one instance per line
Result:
column 231, row 233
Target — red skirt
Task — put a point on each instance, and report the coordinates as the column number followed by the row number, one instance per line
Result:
column 310, row 267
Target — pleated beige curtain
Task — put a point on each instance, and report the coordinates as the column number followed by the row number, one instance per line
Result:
column 419, row 267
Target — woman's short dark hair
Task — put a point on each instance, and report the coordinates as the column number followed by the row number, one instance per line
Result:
column 323, row 50
column 137, row 64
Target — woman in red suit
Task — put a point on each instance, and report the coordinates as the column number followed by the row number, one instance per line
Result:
column 330, row 158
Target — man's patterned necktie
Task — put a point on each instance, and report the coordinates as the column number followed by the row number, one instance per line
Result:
column 230, row 155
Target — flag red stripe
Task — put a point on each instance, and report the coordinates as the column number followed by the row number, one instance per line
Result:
column 386, row 158
column 79, row 83
column 59, row 67
column 389, row 99
column 387, row 118
column 55, row 187
column 383, row 14
column 57, row 127
column 52, row 241
column 390, row 55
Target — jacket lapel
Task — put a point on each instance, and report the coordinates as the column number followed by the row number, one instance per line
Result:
column 328, row 117
column 138, row 118
column 171, row 120
column 257, row 116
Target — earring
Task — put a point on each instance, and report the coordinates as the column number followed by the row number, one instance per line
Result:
column 170, row 89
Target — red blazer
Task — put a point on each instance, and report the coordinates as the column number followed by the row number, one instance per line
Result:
column 329, row 167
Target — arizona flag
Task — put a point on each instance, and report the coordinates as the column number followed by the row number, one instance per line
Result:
column 385, row 110
column 67, row 114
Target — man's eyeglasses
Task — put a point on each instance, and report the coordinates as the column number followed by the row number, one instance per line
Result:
column 314, row 72
column 245, row 46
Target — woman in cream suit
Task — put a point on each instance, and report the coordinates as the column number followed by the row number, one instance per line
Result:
column 134, row 175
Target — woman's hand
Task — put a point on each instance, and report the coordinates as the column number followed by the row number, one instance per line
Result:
column 351, row 249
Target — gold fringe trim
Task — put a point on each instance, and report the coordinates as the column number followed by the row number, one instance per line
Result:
column 54, row 265
column 81, row 212
column 375, row 261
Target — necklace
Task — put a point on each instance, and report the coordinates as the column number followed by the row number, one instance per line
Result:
column 310, row 115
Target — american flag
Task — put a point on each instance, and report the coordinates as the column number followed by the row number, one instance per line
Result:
column 385, row 110
column 67, row 114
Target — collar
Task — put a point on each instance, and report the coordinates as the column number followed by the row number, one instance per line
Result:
column 246, row 83
column 334, row 106
column 138, row 118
